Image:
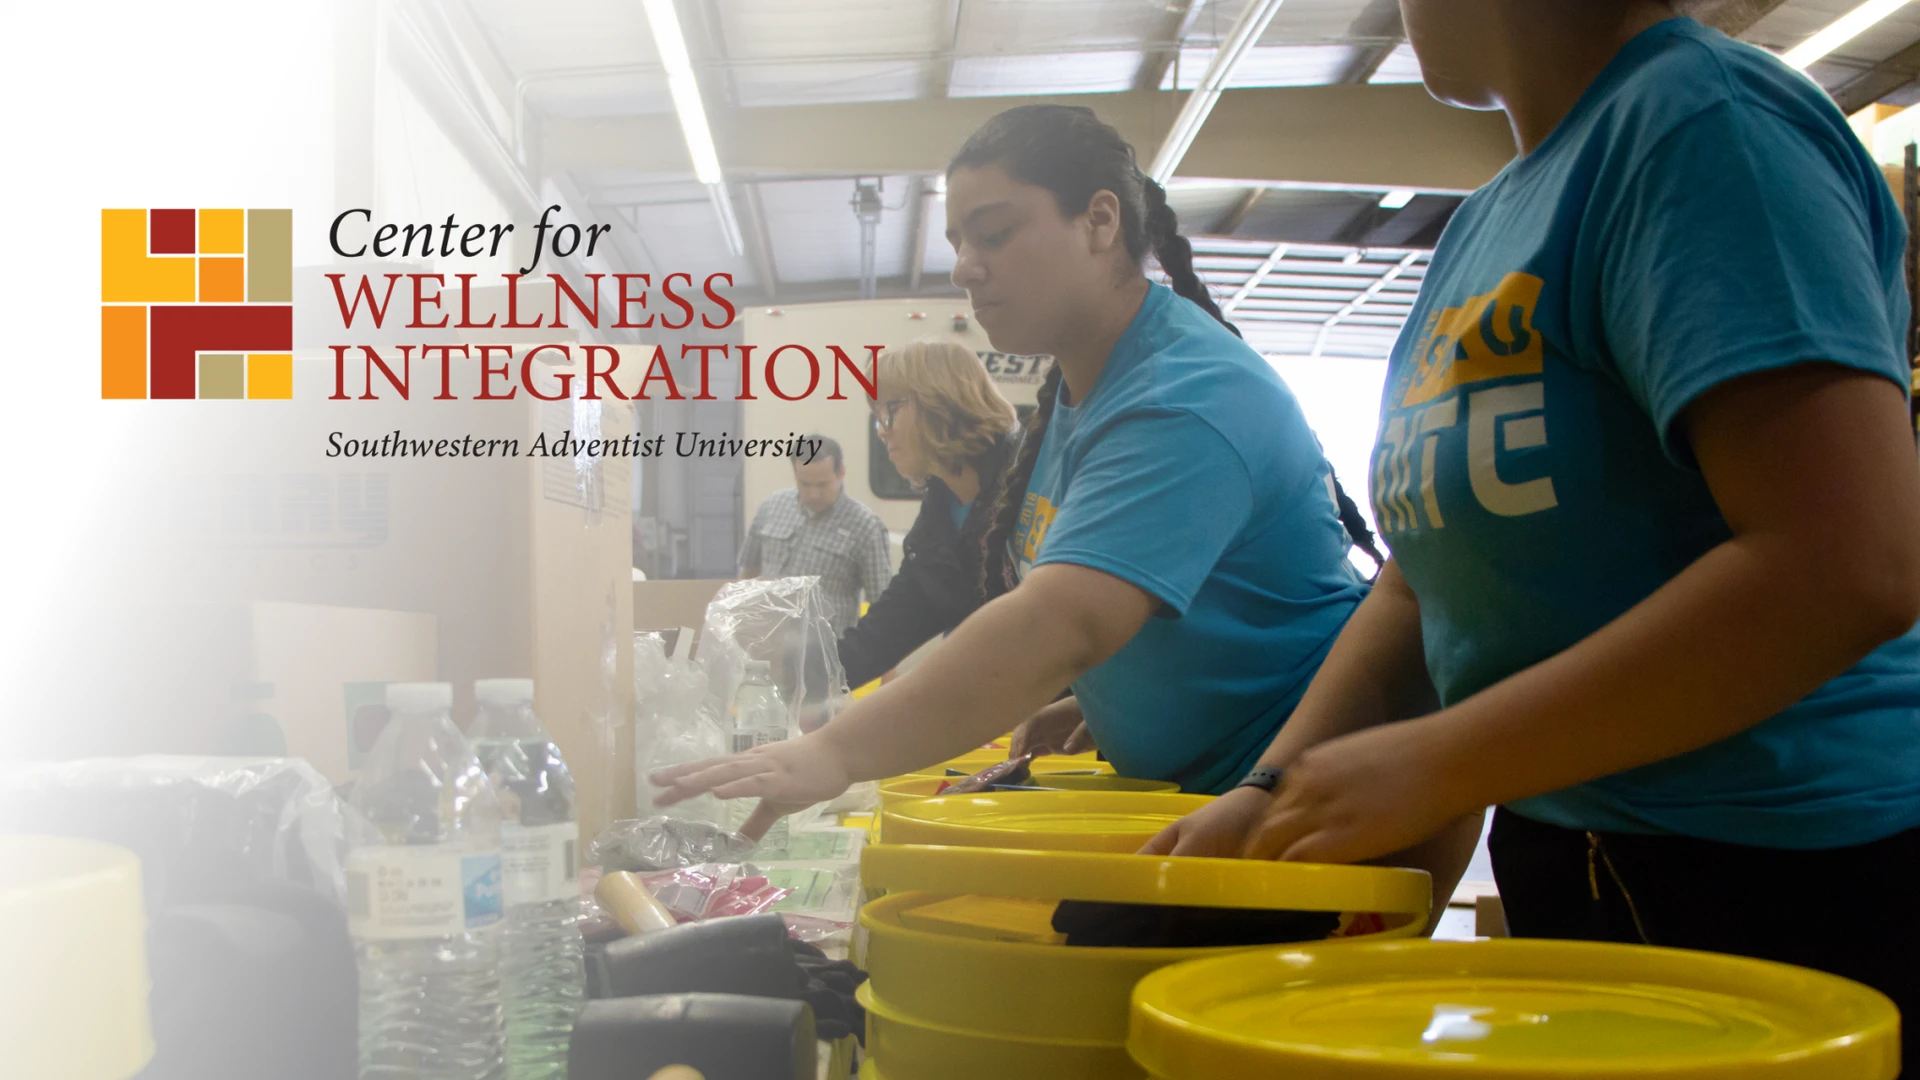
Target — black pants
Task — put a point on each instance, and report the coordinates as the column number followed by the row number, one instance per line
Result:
column 1849, row 911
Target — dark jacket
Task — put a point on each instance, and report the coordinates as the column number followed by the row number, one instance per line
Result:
column 939, row 580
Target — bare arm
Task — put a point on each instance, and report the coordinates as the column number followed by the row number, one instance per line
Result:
column 999, row 667
column 1002, row 665
column 1814, row 468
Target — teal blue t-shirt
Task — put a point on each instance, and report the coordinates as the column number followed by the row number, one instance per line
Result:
column 1703, row 213
column 1190, row 472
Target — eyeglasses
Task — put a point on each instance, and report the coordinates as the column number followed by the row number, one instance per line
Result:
column 883, row 417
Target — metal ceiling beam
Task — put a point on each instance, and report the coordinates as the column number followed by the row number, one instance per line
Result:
column 1380, row 24
column 759, row 239
column 1253, row 280
column 1237, row 216
column 920, row 191
column 1371, row 291
column 1180, row 17
column 418, row 59
column 1199, row 103
column 1736, row 17
column 1366, row 136
column 943, row 63
column 920, row 195
column 1884, row 78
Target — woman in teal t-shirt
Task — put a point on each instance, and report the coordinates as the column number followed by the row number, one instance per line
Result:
column 1171, row 520
column 1647, row 472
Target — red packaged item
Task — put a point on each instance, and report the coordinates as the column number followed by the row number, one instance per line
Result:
column 712, row 891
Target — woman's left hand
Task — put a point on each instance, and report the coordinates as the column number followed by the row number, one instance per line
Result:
column 1358, row 797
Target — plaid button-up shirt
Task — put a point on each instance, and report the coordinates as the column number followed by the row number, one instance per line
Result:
column 846, row 547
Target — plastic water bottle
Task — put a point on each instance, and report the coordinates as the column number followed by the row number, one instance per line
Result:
column 424, row 901
column 541, row 969
column 757, row 717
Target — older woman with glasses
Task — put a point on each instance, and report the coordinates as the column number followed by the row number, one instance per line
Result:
column 950, row 433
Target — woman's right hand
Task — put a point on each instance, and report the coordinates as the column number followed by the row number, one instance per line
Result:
column 1218, row 830
column 785, row 776
column 1056, row 729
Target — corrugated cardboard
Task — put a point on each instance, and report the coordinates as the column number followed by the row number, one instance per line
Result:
column 322, row 671
column 669, row 604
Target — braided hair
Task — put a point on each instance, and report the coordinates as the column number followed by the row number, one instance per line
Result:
column 1070, row 152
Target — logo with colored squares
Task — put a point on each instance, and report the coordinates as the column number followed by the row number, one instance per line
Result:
column 196, row 303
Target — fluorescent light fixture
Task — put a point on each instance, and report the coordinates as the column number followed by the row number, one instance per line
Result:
column 1394, row 200
column 686, row 90
column 1842, row 30
column 1193, row 115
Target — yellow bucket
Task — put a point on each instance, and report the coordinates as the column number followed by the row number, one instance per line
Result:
column 1423, row 1010
column 1052, row 990
column 1118, row 822
column 916, row 1049
column 73, row 986
column 921, row 787
column 1007, row 976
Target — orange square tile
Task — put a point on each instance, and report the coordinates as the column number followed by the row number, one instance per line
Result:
column 223, row 281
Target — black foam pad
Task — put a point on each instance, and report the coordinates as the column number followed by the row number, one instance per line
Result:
column 723, row 1036
column 747, row 955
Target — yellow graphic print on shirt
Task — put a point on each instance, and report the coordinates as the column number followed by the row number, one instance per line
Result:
column 1036, row 514
column 1491, row 336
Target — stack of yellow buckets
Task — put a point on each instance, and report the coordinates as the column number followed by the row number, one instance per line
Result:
column 968, row 978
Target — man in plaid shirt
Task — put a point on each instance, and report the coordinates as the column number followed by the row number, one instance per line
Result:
column 816, row 529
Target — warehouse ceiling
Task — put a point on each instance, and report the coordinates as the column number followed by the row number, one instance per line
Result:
column 1282, row 190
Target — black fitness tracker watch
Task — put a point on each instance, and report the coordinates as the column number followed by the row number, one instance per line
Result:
column 1266, row 778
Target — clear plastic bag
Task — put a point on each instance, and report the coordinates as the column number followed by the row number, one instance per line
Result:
column 664, row 843
column 202, row 826
column 650, row 667
column 782, row 621
column 676, row 725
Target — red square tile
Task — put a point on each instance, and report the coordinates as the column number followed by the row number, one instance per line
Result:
column 170, row 232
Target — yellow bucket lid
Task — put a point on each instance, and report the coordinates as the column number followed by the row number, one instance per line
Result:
column 1145, row 879
column 1118, row 821
column 73, row 987
column 921, row 787
column 1417, row 1010
column 969, row 763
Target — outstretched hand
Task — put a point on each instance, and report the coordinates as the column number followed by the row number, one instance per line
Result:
column 786, row 776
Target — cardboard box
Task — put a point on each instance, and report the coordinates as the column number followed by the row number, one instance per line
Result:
column 322, row 674
column 671, row 604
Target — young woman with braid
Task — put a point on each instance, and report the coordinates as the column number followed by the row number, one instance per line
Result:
column 1171, row 520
